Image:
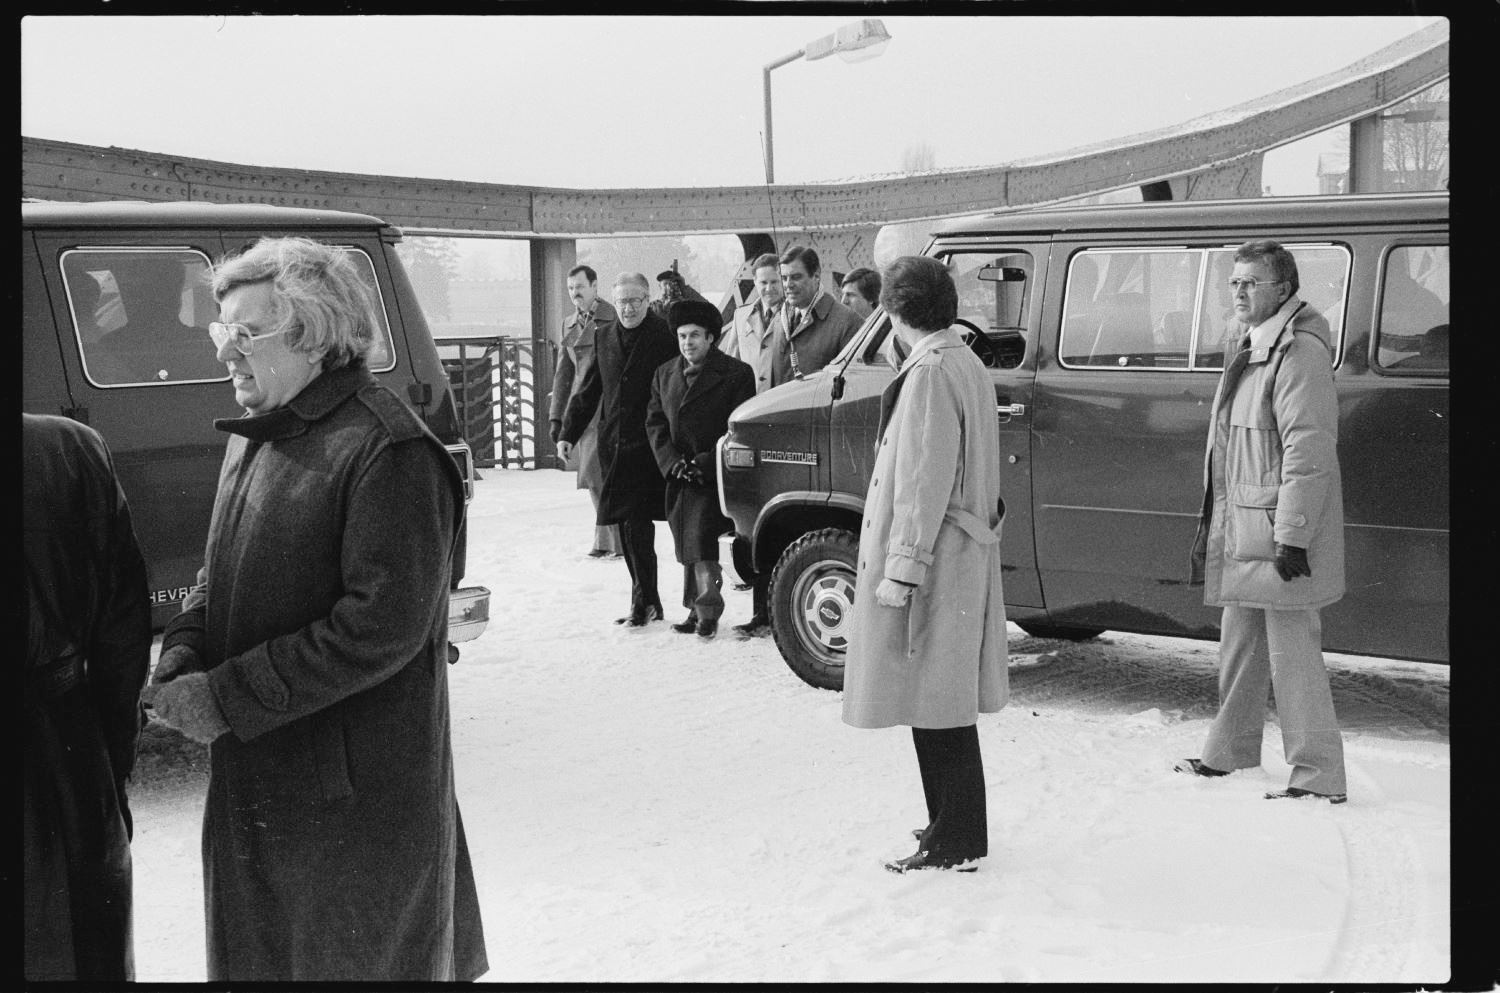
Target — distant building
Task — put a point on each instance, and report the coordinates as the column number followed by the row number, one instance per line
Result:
column 1333, row 172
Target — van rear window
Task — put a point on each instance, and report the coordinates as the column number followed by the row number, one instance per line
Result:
column 141, row 316
column 1170, row 308
column 1412, row 332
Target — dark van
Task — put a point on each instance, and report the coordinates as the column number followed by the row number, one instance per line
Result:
column 116, row 313
column 1103, row 329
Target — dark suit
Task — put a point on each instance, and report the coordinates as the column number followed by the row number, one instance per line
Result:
column 618, row 386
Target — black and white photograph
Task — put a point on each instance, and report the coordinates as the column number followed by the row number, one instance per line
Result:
column 499, row 488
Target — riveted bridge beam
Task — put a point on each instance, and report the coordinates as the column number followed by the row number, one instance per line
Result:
column 1208, row 155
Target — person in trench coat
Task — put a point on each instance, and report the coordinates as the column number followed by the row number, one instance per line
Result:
column 691, row 400
column 1270, row 542
column 927, row 646
column 88, row 646
column 575, row 355
column 627, row 353
column 312, row 652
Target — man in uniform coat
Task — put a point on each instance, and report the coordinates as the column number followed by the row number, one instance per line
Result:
column 627, row 353
column 88, row 646
column 574, row 357
column 691, row 400
column 751, row 337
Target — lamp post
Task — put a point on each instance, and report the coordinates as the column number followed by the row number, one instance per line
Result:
column 854, row 42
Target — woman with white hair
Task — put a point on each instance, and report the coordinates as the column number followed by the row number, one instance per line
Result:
column 312, row 653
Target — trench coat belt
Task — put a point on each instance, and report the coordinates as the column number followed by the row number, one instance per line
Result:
column 56, row 678
column 971, row 525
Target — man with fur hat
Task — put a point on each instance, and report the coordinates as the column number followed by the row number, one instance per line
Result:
column 692, row 397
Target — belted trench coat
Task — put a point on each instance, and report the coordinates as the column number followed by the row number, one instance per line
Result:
column 932, row 517
column 1271, row 470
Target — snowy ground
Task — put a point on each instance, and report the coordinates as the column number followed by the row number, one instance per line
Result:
column 642, row 806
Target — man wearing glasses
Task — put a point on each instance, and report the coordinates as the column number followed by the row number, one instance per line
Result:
column 627, row 352
column 1270, row 543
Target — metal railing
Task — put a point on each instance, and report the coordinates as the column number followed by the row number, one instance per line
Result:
column 494, row 383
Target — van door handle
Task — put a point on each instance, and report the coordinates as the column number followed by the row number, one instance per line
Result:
column 1013, row 409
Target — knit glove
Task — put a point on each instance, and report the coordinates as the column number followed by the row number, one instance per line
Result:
column 179, row 660
column 187, row 704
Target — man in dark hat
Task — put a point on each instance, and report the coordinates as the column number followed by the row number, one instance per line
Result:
column 673, row 288
column 692, row 397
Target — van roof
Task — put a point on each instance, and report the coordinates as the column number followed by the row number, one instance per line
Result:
column 140, row 213
column 1280, row 212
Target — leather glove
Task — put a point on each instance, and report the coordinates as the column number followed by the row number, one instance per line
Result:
column 694, row 475
column 1291, row 562
column 679, row 470
column 554, row 430
column 179, row 660
column 187, row 704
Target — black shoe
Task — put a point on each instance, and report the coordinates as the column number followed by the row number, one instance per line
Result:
column 1197, row 768
column 755, row 627
column 639, row 616
column 599, row 553
column 1298, row 793
column 922, row 860
column 688, row 626
column 707, row 629
column 740, row 587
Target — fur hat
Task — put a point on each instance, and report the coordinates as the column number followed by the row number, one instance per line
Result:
column 699, row 312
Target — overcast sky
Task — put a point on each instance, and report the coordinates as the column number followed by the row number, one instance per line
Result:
column 576, row 101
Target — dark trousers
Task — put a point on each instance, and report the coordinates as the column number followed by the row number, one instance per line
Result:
column 953, row 783
column 638, row 542
column 702, row 583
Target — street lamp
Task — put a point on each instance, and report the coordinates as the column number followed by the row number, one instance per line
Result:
column 853, row 43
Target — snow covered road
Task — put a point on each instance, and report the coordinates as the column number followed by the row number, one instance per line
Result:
column 642, row 806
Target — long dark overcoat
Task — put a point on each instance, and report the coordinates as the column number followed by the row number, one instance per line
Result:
column 86, row 587
column 332, row 844
column 688, row 421
column 618, row 386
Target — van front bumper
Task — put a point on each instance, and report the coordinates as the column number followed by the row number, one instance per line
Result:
column 468, row 613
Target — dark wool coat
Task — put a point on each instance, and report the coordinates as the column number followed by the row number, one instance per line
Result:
column 618, row 386
column 684, row 420
column 86, row 587
column 822, row 333
column 332, row 844
column 574, row 356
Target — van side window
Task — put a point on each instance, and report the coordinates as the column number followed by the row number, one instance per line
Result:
column 141, row 316
column 1323, row 278
column 1412, row 328
column 379, row 358
column 994, row 294
column 1130, row 309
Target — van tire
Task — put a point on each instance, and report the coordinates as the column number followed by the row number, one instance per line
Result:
column 811, row 601
column 1058, row 631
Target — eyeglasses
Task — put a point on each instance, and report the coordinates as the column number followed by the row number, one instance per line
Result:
column 630, row 301
column 238, row 334
column 1250, row 283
